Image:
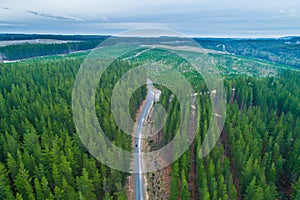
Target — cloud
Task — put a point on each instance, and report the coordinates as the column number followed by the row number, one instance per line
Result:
column 76, row 18
column 293, row 13
column 282, row 11
column 209, row 17
column 6, row 24
column 287, row 13
column 88, row 18
column 51, row 16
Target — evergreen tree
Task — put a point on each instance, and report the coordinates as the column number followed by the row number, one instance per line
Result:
column 85, row 185
column 23, row 183
column 5, row 190
column 184, row 194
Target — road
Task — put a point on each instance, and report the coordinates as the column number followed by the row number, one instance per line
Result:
column 138, row 54
column 138, row 162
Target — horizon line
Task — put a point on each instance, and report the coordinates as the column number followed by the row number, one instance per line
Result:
column 185, row 35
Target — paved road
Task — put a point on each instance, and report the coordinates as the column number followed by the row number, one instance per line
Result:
column 139, row 185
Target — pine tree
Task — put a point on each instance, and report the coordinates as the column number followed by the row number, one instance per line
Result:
column 69, row 192
column 85, row 185
column 203, row 190
column 31, row 143
column 107, row 196
column 56, row 176
column 45, row 188
column 38, row 190
column 296, row 190
column 3, row 109
column 11, row 144
column 184, row 187
column 23, row 183
column 5, row 191
column 174, row 181
column 253, row 191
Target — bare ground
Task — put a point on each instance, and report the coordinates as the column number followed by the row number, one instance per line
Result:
column 158, row 182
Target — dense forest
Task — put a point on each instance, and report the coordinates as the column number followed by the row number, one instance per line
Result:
column 42, row 157
column 21, row 51
column 257, row 156
column 282, row 51
column 7, row 37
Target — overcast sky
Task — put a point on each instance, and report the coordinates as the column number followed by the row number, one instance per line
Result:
column 215, row 18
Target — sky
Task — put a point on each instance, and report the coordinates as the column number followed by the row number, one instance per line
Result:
column 204, row 18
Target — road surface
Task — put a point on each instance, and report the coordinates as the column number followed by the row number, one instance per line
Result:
column 139, row 185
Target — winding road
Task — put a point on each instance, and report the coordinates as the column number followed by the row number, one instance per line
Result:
column 138, row 162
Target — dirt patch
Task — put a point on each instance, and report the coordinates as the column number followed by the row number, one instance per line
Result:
column 192, row 176
column 158, row 182
column 130, row 187
column 192, row 179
